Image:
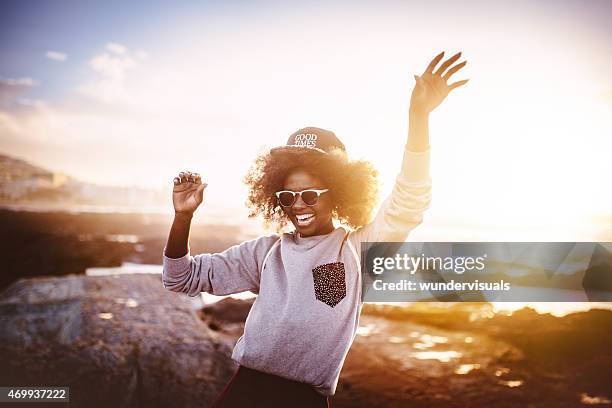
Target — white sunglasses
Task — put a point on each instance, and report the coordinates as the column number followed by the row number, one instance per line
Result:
column 287, row 198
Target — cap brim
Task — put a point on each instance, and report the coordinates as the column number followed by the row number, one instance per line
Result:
column 295, row 149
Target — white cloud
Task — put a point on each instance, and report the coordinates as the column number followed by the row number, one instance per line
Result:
column 116, row 48
column 25, row 81
column 29, row 127
column 35, row 103
column 106, row 90
column 56, row 56
column 140, row 54
column 112, row 66
column 13, row 88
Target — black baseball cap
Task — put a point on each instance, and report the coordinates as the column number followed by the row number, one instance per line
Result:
column 311, row 139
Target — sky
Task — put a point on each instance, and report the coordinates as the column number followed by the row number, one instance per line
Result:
column 130, row 93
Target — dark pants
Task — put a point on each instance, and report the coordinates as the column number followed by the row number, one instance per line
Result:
column 254, row 389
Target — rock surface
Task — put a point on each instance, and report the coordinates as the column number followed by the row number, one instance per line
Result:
column 116, row 341
column 226, row 317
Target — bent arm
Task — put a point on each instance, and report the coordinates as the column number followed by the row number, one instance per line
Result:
column 237, row 269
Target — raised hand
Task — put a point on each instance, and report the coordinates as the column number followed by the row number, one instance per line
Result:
column 188, row 192
column 431, row 87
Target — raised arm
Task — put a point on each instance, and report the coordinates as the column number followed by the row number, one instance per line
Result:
column 237, row 269
column 430, row 90
column 403, row 210
column 187, row 195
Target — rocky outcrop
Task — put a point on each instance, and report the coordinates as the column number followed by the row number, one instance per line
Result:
column 227, row 317
column 125, row 341
column 116, row 341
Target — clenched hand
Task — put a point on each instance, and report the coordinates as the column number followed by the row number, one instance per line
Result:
column 188, row 192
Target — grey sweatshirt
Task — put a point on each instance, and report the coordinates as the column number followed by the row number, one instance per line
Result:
column 306, row 314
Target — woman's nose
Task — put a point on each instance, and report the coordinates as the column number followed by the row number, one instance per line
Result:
column 299, row 203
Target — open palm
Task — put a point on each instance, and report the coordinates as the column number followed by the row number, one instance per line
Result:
column 431, row 87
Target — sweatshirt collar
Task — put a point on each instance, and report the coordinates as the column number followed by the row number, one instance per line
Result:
column 312, row 240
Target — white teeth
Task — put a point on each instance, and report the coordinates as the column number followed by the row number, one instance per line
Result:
column 305, row 219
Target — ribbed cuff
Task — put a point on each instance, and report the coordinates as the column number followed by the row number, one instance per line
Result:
column 415, row 167
column 175, row 267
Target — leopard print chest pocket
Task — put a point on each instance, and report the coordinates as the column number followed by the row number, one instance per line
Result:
column 330, row 283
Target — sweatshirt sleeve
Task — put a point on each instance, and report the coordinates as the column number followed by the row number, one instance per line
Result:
column 237, row 269
column 403, row 209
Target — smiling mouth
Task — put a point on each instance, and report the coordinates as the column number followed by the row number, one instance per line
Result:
column 305, row 219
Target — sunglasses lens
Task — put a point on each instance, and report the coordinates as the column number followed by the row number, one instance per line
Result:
column 286, row 199
column 310, row 197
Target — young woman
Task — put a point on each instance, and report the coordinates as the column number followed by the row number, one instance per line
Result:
column 308, row 281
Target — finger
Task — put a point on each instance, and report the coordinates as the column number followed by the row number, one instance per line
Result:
column 447, row 63
column 183, row 176
column 457, row 84
column 176, row 181
column 190, row 177
column 434, row 62
column 453, row 70
column 196, row 178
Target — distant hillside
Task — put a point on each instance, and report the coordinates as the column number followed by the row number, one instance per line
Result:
column 13, row 169
column 24, row 183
